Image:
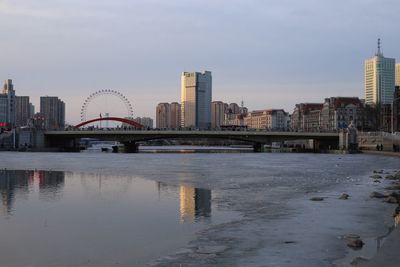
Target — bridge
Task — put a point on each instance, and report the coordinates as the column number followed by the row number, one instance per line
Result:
column 129, row 122
column 130, row 138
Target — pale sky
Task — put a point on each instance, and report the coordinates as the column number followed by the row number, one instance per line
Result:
column 271, row 53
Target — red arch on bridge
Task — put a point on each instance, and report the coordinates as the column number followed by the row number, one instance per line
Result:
column 127, row 121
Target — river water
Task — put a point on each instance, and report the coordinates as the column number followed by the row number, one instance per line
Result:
column 196, row 209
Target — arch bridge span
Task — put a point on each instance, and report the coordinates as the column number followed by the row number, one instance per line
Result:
column 123, row 120
column 131, row 137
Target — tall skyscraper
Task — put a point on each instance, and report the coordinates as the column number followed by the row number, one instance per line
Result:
column 32, row 109
column 8, row 86
column 7, row 104
column 196, row 92
column 379, row 78
column 23, row 110
column 53, row 111
column 397, row 74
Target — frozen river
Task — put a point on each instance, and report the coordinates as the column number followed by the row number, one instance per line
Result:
column 199, row 209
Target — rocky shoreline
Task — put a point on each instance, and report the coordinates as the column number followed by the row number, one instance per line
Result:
column 388, row 194
column 388, row 254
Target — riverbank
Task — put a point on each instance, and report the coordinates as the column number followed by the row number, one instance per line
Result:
column 382, row 153
column 388, row 255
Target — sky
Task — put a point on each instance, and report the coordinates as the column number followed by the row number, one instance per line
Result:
column 270, row 53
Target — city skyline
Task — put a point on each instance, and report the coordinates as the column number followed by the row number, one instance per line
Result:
column 283, row 54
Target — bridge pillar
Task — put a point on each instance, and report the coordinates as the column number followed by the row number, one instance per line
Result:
column 348, row 139
column 131, row 147
column 258, row 147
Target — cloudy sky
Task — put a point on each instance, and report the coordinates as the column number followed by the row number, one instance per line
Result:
column 271, row 53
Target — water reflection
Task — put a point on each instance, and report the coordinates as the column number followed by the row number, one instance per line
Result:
column 117, row 219
column 9, row 181
column 195, row 203
column 51, row 184
column 99, row 184
column 16, row 182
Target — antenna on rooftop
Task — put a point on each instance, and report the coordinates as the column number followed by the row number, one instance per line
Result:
column 379, row 47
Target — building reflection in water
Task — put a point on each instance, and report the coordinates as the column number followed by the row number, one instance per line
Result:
column 50, row 184
column 106, row 185
column 195, row 204
column 21, row 183
column 10, row 182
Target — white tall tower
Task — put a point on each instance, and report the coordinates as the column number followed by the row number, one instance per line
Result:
column 196, row 91
column 379, row 78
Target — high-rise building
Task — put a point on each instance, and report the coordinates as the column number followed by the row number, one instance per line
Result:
column 196, row 92
column 23, row 110
column 379, row 78
column 7, row 104
column 217, row 114
column 31, row 109
column 163, row 115
column 396, row 111
column 53, row 111
column 175, row 115
column 397, row 74
column 4, row 122
column 8, row 86
column 168, row 115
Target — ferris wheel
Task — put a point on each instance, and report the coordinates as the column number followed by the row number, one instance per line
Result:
column 106, row 102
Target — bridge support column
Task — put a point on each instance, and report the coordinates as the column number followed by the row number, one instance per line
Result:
column 131, row 147
column 258, row 147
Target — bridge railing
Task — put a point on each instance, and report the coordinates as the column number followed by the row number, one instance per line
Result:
column 91, row 128
column 380, row 134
